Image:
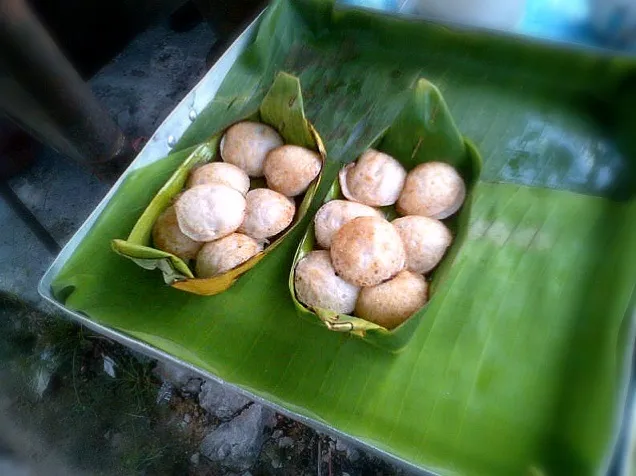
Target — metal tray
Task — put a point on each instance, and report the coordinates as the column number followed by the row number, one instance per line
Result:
column 161, row 143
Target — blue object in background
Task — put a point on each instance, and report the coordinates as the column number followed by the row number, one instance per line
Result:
column 571, row 21
column 565, row 20
column 559, row 20
column 386, row 5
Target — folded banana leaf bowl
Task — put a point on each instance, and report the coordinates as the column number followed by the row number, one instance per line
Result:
column 521, row 360
column 424, row 131
column 282, row 109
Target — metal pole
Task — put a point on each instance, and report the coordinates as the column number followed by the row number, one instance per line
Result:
column 43, row 93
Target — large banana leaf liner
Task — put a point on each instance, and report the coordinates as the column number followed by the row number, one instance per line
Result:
column 424, row 131
column 521, row 362
column 282, row 108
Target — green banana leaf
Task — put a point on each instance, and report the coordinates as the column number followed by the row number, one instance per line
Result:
column 422, row 132
column 138, row 245
column 521, row 364
column 282, row 108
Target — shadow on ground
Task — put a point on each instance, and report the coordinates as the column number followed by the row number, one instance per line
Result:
column 54, row 390
column 75, row 403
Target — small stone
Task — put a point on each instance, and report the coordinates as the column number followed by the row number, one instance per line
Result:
column 194, row 459
column 277, row 434
column 193, row 386
column 237, row 443
column 47, row 354
column 44, row 369
column 220, row 401
column 340, row 445
column 109, row 366
column 187, row 418
column 270, row 452
column 285, row 442
column 352, row 454
column 42, row 381
column 177, row 376
column 164, row 394
column 116, row 441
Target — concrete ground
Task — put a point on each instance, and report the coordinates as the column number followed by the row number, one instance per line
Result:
column 74, row 403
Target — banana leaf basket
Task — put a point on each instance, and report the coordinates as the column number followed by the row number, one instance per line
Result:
column 282, row 108
column 423, row 131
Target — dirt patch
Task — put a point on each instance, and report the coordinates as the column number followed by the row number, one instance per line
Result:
column 86, row 405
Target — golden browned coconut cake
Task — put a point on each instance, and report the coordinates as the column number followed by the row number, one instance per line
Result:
column 433, row 189
column 168, row 237
column 246, row 145
column 267, row 214
column 367, row 251
column 318, row 285
column 220, row 173
column 391, row 303
column 220, row 256
column 375, row 179
column 332, row 215
column 425, row 241
column 291, row 169
column 210, row 212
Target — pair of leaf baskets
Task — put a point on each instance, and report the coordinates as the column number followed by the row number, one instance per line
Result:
column 423, row 131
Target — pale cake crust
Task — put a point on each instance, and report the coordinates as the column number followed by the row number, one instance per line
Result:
column 376, row 179
column 220, row 173
column 391, row 303
column 334, row 214
column 433, row 189
column 425, row 241
column 210, row 212
column 246, row 145
column 267, row 213
column 290, row 169
column 367, row 251
column 318, row 285
column 168, row 237
column 220, row 256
